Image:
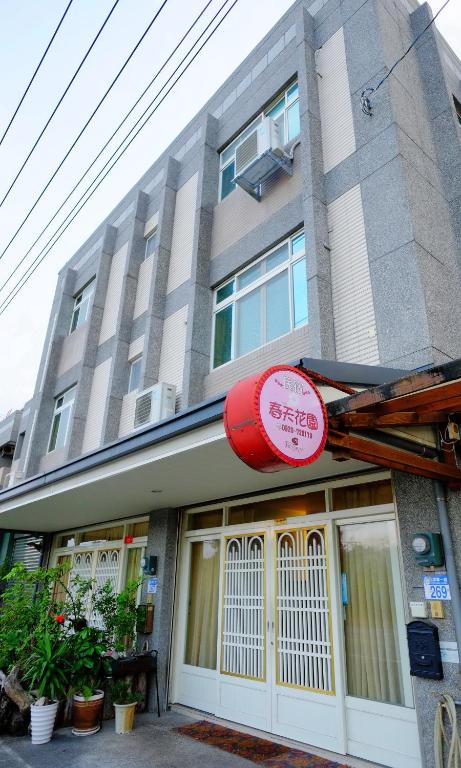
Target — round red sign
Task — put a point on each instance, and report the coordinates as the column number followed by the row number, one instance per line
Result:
column 276, row 418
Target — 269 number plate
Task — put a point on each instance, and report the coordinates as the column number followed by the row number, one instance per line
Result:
column 436, row 587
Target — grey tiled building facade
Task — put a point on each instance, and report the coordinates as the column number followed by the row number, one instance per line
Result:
column 350, row 257
column 379, row 296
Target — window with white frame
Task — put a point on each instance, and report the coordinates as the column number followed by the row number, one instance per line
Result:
column 135, row 374
column 151, row 244
column 61, row 419
column 110, row 553
column 81, row 308
column 262, row 302
column 284, row 110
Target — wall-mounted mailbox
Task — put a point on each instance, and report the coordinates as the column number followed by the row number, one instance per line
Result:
column 424, row 650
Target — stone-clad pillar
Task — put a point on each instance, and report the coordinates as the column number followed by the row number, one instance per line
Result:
column 321, row 330
column 417, row 511
column 92, row 341
column 198, row 340
column 119, row 373
column 162, row 542
column 156, row 307
column 42, row 406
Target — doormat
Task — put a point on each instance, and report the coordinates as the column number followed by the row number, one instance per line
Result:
column 262, row 751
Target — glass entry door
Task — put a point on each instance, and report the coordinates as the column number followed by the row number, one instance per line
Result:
column 379, row 700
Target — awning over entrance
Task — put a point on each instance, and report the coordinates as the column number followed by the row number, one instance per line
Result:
column 187, row 460
column 189, row 469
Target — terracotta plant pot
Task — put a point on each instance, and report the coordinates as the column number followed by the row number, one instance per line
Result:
column 42, row 722
column 124, row 717
column 86, row 714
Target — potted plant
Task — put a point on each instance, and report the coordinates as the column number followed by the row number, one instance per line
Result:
column 46, row 672
column 88, row 669
column 124, row 701
column 118, row 615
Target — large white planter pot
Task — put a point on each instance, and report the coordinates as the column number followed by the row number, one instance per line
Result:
column 42, row 721
column 124, row 717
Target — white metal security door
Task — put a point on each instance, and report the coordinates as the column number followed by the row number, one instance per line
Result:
column 269, row 637
column 304, row 701
column 276, row 665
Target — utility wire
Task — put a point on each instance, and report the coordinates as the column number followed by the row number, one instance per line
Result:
column 159, row 71
column 84, row 127
column 42, row 255
column 365, row 98
column 36, row 71
column 61, row 99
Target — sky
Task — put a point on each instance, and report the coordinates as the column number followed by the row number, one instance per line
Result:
column 25, row 29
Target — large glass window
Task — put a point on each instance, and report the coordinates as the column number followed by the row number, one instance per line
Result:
column 262, row 302
column 284, row 110
column 202, row 616
column 61, row 420
column 81, row 308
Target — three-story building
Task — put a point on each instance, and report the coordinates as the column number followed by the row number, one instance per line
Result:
column 282, row 224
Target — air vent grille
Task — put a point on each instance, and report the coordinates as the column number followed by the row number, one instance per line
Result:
column 246, row 151
column 143, row 409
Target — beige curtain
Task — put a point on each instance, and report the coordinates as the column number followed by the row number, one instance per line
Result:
column 133, row 565
column 372, row 647
column 202, row 619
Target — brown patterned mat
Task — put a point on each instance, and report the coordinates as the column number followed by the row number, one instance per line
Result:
column 262, row 751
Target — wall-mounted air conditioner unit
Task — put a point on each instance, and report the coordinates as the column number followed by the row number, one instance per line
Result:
column 154, row 404
column 259, row 156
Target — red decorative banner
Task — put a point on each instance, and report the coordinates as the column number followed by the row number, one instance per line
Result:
column 276, row 419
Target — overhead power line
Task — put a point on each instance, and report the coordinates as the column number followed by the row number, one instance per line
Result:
column 42, row 255
column 59, row 102
column 96, row 158
column 368, row 93
column 36, row 72
column 82, row 131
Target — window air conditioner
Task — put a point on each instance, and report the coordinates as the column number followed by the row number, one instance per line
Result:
column 258, row 157
column 154, row 404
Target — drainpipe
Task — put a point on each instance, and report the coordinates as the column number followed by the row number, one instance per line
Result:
column 450, row 564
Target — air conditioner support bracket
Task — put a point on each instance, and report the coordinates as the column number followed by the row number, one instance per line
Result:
column 254, row 184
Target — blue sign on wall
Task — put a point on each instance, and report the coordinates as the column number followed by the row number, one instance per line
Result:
column 436, row 587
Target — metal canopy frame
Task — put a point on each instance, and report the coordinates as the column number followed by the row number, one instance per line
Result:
column 360, row 425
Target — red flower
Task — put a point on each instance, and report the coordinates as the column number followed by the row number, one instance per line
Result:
column 60, row 618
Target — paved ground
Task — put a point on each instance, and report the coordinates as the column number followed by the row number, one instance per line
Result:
column 153, row 744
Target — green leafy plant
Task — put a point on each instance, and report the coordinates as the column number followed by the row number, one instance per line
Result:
column 47, row 668
column 121, row 693
column 118, row 614
column 87, row 663
column 27, row 611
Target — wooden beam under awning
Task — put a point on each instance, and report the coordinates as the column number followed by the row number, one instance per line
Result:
column 428, row 398
column 402, row 393
column 375, row 452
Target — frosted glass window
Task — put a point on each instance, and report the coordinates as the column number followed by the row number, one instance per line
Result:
column 300, row 313
column 278, row 310
column 249, row 322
